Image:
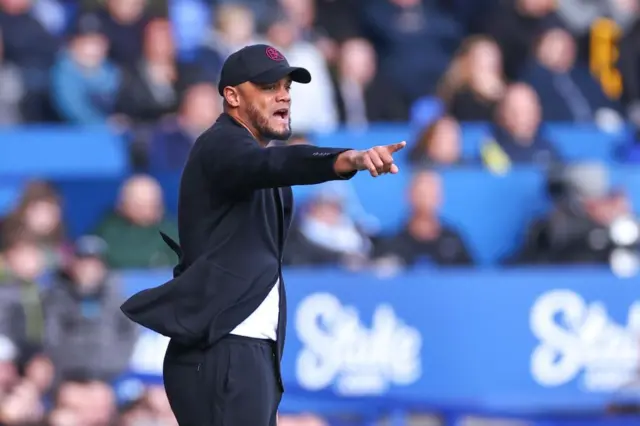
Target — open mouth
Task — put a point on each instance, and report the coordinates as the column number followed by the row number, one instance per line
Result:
column 282, row 113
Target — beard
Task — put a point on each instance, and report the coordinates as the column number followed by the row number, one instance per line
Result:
column 261, row 124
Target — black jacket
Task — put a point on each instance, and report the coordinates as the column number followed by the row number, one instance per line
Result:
column 234, row 212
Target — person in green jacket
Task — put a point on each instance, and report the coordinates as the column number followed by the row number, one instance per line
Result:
column 132, row 230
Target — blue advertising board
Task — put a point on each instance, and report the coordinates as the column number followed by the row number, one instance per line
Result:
column 520, row 341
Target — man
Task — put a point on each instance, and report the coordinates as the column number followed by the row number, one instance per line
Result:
column 225, row 309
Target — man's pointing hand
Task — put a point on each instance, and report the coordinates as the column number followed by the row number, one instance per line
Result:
column 377, row 160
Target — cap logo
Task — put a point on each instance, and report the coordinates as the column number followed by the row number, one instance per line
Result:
column 274, row 55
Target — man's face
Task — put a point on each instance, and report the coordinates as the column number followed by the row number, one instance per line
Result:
column 520, row 112
column 142, row 201
column 267, row 107
column 88, row 274
column 557, row 50
column 426, row 193
column 535, row 8
column 25, row 260
column 158, row 41
column 444, row 146
column 357, row 61
column 201, row 107
column 90, row 50
column 126, row 11
column 14, row 7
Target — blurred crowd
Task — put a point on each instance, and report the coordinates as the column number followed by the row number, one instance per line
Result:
column 148, row 70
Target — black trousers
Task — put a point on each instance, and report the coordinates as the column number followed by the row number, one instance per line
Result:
column 233, row 383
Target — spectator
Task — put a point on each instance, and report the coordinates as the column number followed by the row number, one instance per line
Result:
column 123, row 23
column 426, row 239
column 173, row 138
column 39, row 214
column 86, row 333
column 234, row 27
column 11, row 90
column 260, row 9
column 515, row 25
column 581, row 227
column 326, row 235
column 567, row 90
column 438, row 144
column 152, row 408
column 30, row 47
column 474, row 83
column 22, row 406
column 85, row 82
column 132, row 231
column 362, row 95
column 150, row 89
column 40, row 372
column 516, row 137
column 84, row 401
column 318, row 112
column 21, row 311
column 302, row 15
column 336, row 22
column 396, row 27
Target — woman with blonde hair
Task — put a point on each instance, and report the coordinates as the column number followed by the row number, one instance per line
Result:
column 474, row 82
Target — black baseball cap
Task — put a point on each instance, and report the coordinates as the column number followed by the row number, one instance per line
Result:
column 88, row 24
column 259, row 64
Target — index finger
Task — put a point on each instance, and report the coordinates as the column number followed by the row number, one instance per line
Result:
column 396, row 146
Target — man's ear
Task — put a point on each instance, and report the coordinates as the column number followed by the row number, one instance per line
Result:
column 232, row 96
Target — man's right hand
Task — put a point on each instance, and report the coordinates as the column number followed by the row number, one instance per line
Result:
column 377, row 160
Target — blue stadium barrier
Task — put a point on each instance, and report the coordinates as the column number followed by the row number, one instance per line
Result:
column 10, row 191
column 542, row 345
column 60, row 151
column 491, row 212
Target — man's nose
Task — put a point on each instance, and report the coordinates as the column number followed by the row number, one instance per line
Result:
column 284, row 96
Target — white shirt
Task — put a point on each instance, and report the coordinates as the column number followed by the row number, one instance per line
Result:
column 263, row 322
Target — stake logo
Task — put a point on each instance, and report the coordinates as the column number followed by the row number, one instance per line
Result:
column 342, row 352
column 580, row 339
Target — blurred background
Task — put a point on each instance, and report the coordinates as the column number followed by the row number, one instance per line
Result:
column 493, row 282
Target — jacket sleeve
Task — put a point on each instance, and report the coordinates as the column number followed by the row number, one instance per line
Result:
column 239, row 163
